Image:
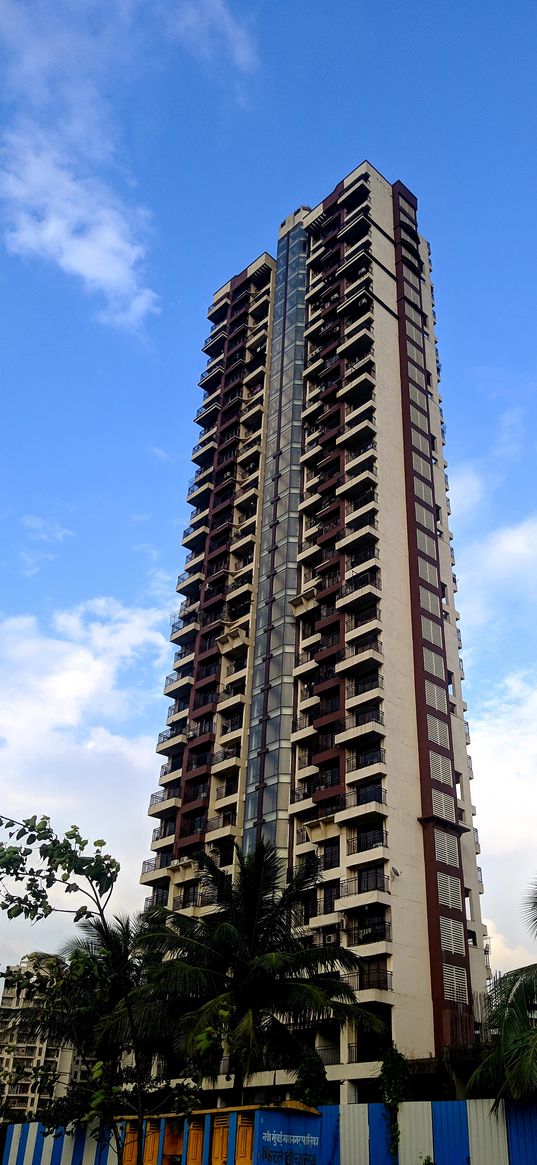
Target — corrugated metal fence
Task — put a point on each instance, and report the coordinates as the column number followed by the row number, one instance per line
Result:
column 445, row 1132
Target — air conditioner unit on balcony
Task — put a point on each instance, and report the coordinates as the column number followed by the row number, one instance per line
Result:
column 176, row 863
column 330, row 939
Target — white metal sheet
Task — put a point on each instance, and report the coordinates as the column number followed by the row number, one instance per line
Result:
column 354, row 1133
column 415, row 1132
column 488, row 1133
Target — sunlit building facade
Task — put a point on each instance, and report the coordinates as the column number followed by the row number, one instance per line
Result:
column 316, row 685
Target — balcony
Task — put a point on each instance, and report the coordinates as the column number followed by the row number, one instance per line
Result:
column 375, row 930
column 203, row 452
column 365, row 882
column 359, row 587
column 163, row 800
column 193, row 826
column 227, row 758
column 367, row 979
column 193, row 898
column 361, row 724
column 156, row 869
column 175, row 680
column 163, row 832
column 369, row 648
column 195, row 792
column 175, row 711
column 369, row 839
column 358, row 763
column 171, row 739
column 363, row 531
column 223, row 825
column 212, row 373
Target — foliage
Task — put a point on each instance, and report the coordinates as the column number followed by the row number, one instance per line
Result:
column 45, row 861
column 510, row 1068
column 72, row 999
column 243, row 981
column 311, row 1085
column 393, row 1080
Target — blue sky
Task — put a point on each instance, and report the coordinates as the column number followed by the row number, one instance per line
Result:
column 148, row 151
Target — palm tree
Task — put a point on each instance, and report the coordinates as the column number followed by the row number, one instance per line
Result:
column 85, row 998
column 510, row 1068
column 244, row 980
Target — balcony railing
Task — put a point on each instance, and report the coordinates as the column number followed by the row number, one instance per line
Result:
column 362, row 760
column 371, row 839
column 365, row 882
column 375, row 931
column 372, row 716
column 365, row 795
column 161, row 862
column 166, row 794
column 373, row 979
column 222, row 821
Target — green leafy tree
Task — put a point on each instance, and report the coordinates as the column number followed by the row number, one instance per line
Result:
column 509, row 1069
column 244, row 981
column 72, row 999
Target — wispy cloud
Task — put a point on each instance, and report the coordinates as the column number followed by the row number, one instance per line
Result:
column 497, row 569
column 210, row 30
column 467, row 487
column 64, row 190
column 159, row 453
column 45, row 530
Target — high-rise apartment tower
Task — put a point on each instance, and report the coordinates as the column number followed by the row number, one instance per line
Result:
column 317, row 679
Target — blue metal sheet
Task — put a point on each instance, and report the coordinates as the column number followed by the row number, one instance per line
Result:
column 522, row 1133
column 77, row 1148
column 40, row 1144
column 57, row 1147
column 232, row 1138
column 21, row 1148
column 103, row 1148
column 378, row 1135
column 161, row 1141
column 206, row 1141
column 329, row 1146
column 8, row 1144
column 450, row 1132
column 287, row 1135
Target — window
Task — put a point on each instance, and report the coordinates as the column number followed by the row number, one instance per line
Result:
column 428, row 572
column 452, row 936
column 330, row 893
column 433, row 663
column 438, row 731
column 449, row 891
column 330, row 858
column 446, row 848
column 455, row 984
column 443, row 806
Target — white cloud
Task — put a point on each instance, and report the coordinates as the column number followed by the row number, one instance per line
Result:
column 505, row 956
column 210, row 29
column 62, row 168
column 498, row 575
column 504, row 751
column 45, row 530
column 55, row 211
column 69, row 697
column 467, row 489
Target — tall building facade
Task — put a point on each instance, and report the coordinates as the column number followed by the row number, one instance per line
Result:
column 316, row 684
